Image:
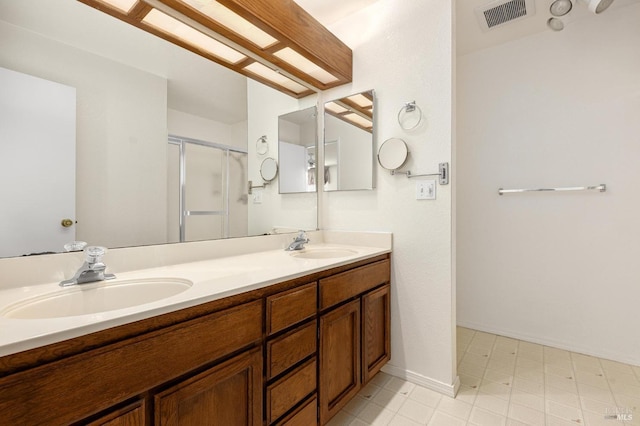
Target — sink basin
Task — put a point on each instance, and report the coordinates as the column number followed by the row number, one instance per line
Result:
column 95, row 298
column 323, row 253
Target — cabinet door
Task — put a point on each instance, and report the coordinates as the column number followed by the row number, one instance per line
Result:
column 339, row 377
column 376, row 343
column 229, row 394
column 131, row 415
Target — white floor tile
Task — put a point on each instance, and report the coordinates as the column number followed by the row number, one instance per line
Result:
column 416, row 411
column 369, row 391
column 489, row 402
column 389, row 400
column 528, row 400
column 375, row 415
column 505, row 382
column 482, row 417
column 467, row 394
column 399, row 386
column 398, row 420
column 564, row 412
column 526, row 415
column 442, row 419
column 356, row 405
column 425, row 396
column 454, row 407
column 562, row 397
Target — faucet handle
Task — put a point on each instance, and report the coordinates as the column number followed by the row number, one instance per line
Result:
column 75, row 246
column 93, row 254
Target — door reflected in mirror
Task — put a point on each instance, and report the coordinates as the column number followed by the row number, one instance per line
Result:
column 297, row 137
column 349, row 130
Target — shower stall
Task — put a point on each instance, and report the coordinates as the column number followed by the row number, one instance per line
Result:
column 207, row 190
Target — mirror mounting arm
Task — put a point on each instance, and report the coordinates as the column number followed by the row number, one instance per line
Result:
column 251, row 186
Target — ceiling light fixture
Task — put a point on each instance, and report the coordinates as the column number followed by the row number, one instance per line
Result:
column 275, row 42
column 560, row 7
column 597, row 6
column 555, row 24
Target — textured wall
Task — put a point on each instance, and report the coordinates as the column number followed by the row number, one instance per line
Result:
column 555, row 109
column 403, row 50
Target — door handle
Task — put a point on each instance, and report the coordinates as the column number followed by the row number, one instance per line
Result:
column 66, row 223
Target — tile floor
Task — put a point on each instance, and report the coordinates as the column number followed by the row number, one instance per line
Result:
column 506, row 382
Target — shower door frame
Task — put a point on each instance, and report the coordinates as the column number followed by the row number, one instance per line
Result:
column 181, row 142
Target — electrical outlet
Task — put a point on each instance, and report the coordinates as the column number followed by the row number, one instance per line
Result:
column 257, row 196
column 426, row 190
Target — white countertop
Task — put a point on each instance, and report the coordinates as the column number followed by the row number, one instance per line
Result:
column 212, row 279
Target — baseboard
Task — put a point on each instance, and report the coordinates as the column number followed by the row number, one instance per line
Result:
column 597, row 352
column 424, row 381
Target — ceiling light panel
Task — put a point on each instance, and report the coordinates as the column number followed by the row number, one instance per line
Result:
column 230, row 20
column 295, row 59
column 361, row 100
column 169, row 25
column 355, row 118
column 122, row 5
column 275, row 77
column 335, row 108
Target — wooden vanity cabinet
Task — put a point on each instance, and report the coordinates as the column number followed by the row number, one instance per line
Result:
column 292, row 354
column 228, row 394
column 131, row 415
column 354, row 333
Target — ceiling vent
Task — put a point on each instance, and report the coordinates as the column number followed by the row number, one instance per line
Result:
column 499, row 12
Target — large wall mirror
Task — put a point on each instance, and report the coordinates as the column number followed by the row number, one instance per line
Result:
column 161, row 152
column 349, row 130
column 297, row 137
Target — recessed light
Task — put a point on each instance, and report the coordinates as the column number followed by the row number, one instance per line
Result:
column 560, row 7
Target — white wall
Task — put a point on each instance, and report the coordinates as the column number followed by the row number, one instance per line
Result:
column 291, row 211
column 191, row 126
column 554, row 109
column 404, row 51
column 121, row 137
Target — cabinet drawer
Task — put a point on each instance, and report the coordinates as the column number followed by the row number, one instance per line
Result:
column 306, row 415
column 290, row 307
column 346, row 285
column 96, row 380
column 290, row 348
column 290, row 390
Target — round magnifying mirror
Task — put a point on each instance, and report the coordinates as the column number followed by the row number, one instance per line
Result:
column 262, row 146
column 393, row 154
column 269, row 169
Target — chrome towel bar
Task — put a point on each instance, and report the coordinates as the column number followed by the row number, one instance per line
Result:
column 602, row 188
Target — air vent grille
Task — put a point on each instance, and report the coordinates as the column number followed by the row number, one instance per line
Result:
column 499, row 12
column 505, row 12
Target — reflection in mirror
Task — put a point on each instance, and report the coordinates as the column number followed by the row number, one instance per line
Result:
column 349, row 129
column 393, row 153
column 297, row 137
column 269, row 169
column 132, row 90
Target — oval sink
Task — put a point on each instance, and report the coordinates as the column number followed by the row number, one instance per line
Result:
column 95, row 298
column 321, row 253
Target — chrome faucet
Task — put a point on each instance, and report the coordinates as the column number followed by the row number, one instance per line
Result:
column 298, row 242
column 93, row 269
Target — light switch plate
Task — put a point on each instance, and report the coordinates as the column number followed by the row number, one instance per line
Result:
column 426, row 190
column 257, row 196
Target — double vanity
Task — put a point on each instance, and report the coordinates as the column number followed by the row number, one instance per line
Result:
column 257, row 338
